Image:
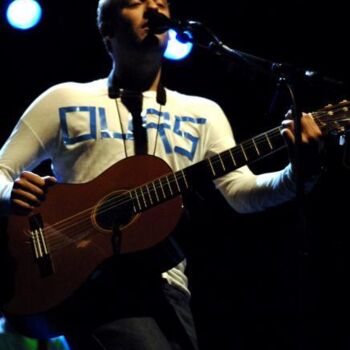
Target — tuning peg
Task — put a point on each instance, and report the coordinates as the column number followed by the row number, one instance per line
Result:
column 344, row 103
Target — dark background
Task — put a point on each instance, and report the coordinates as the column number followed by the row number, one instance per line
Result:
column 273, row 280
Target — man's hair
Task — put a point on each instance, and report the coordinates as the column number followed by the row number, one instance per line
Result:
column 107, row 16
column 107, row 11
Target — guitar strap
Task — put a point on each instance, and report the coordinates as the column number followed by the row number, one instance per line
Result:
column 134, row 105
column 133, row 100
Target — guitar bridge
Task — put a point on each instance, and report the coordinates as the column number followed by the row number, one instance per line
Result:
column 40, row 248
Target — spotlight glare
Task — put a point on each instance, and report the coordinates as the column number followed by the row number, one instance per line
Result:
column 23, row 14
column 177, row 49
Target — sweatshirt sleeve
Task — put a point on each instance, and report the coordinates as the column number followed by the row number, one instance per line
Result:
column 28, row 145
column 245, row 191
column 248, row 193
column 22, row 151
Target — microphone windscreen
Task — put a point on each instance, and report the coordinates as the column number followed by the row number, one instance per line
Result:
column 158, row 23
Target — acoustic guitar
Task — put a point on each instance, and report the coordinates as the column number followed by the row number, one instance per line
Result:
column 132, row 207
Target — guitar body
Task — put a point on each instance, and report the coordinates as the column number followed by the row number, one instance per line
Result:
column 78, row 244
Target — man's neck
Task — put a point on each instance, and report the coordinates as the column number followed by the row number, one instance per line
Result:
column 138, row 81
column 138, row 70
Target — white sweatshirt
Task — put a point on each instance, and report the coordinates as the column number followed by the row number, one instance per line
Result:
column 78, row 127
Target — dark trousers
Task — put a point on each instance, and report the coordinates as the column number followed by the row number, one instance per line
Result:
column 137, row 316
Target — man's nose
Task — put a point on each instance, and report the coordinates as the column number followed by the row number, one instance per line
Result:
column 153, row 4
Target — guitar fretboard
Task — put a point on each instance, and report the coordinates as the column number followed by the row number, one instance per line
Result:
column 174, row 184
column 332, row 118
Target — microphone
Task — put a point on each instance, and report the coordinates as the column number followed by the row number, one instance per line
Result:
column 159, row 23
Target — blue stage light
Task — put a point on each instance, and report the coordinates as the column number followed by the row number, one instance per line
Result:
column 24, row 14
column 177, row 49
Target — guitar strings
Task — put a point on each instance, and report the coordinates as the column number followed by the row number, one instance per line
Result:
column 113, row 205
column 117, row 201
column 79, row 218
column 56, row 239
column 161, row 98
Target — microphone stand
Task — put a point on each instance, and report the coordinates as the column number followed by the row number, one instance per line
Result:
column 286, row 75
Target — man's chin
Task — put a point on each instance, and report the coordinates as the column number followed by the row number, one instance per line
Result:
column 152, row 41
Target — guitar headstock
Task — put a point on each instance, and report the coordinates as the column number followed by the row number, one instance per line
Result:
column 334, row 118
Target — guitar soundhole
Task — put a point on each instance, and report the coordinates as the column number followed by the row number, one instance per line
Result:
column 115, row 210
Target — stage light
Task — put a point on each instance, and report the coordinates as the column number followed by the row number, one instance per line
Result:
column 14, row 340
column 2, row 324
column 177, row 49
column 60, row 343
column 23, row 14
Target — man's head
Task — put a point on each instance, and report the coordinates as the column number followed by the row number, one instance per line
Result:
column 126, row 20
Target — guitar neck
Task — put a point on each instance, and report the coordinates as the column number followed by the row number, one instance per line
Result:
column 174, row 184
column 332, row 118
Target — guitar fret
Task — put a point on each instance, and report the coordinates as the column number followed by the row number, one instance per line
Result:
column 171, row 191
column 277, row 141
column 143, row 197
column 180, row 181
column 211, row 167
column 268, row 140
column 240, row 157
column 256, row 147
column 222, row 163
column 184, row 177
column 149, row 195
column 152, row 191
column 161, row 186
column 137, row 200
column 233, row 159
column 133, row 202
column 244, row 154
column 177, row 184
column 155, row 191
column 251, row 150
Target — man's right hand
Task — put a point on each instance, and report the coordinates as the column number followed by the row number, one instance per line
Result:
column 29, row 191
